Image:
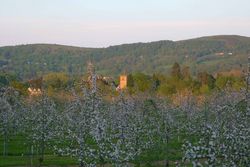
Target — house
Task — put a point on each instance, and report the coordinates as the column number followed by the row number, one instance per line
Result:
column 35, row 87
column 219, row 54
column 34, row 92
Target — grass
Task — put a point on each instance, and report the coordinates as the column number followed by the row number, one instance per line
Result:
column 19, row 155
column 27, row 161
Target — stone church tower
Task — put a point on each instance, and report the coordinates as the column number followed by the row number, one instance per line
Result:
column 123, row 81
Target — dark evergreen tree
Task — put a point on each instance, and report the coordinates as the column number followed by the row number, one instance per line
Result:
column 186, row 72
column 176, row 71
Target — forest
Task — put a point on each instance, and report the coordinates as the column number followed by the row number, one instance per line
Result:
column 180, row 81
column 212, row 54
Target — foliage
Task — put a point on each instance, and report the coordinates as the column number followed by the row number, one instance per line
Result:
column 29, row 61
column 176, row 71
column 41, row 118
column 56, row 81
column 126, row 128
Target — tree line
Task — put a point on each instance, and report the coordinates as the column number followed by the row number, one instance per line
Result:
column 166, row 85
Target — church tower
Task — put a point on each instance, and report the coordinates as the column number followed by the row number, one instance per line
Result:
column 123, row 81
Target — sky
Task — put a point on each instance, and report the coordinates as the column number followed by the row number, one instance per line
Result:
column 101, row 23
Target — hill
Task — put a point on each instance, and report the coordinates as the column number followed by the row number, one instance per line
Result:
column 212, row 54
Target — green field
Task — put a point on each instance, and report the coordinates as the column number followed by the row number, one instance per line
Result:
column 19, row 154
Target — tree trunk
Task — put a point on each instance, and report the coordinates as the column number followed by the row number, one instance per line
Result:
column 4, row 146
column 166, row 163
column 167, row 149
column 81, row 164
column 102, row 162
column 41, row 157
column 31, row 155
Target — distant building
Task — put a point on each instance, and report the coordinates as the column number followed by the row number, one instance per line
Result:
column 123, row 81
column 219, row 54
column 35, row 87
column 34, row 92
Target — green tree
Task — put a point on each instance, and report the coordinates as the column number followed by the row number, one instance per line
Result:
column 142, row 82
column 166, row 89
column 186, row 73
column 206, row 79
column 130, row 80
column 3, row 80
column 176, row 71
column 20, row 87
column 57, row 81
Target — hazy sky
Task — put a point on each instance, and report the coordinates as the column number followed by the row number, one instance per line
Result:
column 100, row 23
